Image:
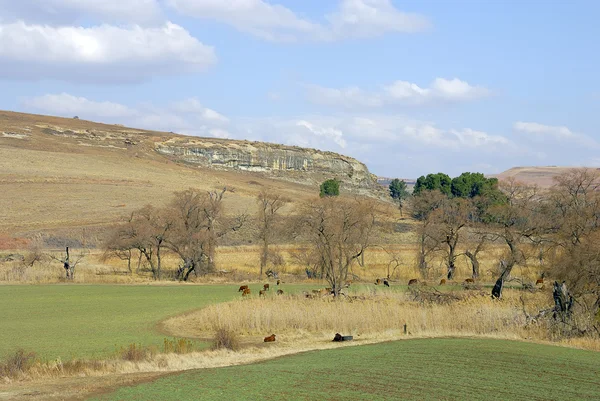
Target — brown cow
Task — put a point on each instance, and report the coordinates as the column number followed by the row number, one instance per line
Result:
column 242, row 288
column 469, row 281
column 279, row 292
column 266, row 287
column 246, row 292
column 261, row 293
column 443, row 281
column 413, row 281
column 270, row 339
column 378, row 281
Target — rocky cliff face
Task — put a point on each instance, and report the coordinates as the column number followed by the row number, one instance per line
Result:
column 287, row 162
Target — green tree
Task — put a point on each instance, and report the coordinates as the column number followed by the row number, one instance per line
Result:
column 398, row 192
column 470, row 185
column 440, row 181
column 330, row 188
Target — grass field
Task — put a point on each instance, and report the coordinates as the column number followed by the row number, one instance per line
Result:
column 423, row 369
column 93, row 321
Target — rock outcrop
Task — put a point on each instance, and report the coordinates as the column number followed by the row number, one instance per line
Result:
column 286, row 162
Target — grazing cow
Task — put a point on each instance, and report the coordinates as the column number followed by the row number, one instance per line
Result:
column 242, row 288
column 270, row 339
column 469, row 281
column 278, row 282
column 266, row 287
column 413, row 281
column 539, row 281
column 386, row 283
column 261, row 293
column 246, row 292
column 378, row 281
column 443, row 281
column 279, row 292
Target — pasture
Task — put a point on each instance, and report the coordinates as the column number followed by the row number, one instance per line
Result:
column 419, row 369
column 93, row 321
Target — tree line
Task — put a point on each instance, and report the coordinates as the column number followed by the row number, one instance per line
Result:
column 556, row 230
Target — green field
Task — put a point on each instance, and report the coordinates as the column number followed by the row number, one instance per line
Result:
column 92, row 321
column 421, row 369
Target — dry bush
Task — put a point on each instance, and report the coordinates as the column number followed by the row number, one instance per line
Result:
column 178, row 346
column 17, row 364
column 136, row 352
column 225, row 338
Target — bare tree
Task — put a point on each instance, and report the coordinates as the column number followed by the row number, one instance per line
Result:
column 269, row 204
column 340, row 230
column 473, row 250
column 69, row 264
column 522, row 219
column 447, row 222
column 199, row 224
column 145, row 230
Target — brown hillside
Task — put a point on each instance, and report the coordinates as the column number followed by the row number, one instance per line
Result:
column 540, row 176
column 64, row 173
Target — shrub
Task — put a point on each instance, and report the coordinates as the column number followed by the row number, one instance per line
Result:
column 136, row 352
column 330, row 188
column 225, row 338
column 17, row 364
column 178, row 346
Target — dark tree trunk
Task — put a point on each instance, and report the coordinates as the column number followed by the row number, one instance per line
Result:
column 499, row 286
column 451, row 269
column 474, row 262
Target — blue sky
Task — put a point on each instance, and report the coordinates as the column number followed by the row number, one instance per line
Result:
column 408, row 87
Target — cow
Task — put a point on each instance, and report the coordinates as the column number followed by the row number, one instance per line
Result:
column 270, row 339
column 378, row 281
column 242, row 288
column 443, row 281
column 261, row 293
column 339, row 337
column 278, row 282
column 386, row 283
column 413, row 281
column 279, row 292
column 469, row 281
column 246, row 292
column 266, row 287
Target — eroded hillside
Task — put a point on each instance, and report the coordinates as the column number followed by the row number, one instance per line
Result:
column 60, row 173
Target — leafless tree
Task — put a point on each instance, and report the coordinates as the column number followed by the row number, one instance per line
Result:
column 199, row 224
column 340, row 230
column 269, row 222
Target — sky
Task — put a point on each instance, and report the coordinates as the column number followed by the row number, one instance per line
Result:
column 407, row 87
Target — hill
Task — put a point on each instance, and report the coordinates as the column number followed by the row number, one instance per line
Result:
column 540, row 176
column 58, row 173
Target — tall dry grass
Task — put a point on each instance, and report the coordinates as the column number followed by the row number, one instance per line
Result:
column 373, row 316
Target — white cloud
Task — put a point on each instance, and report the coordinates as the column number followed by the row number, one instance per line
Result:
column 102, row 53
column 328, row 132
column 368, row 18
column 61, row 12
column 560, row 133
column 399, row 92
column 187, row 116
column 351, row 97
column 69, row 105
column 193, row 106
column 274, row 22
